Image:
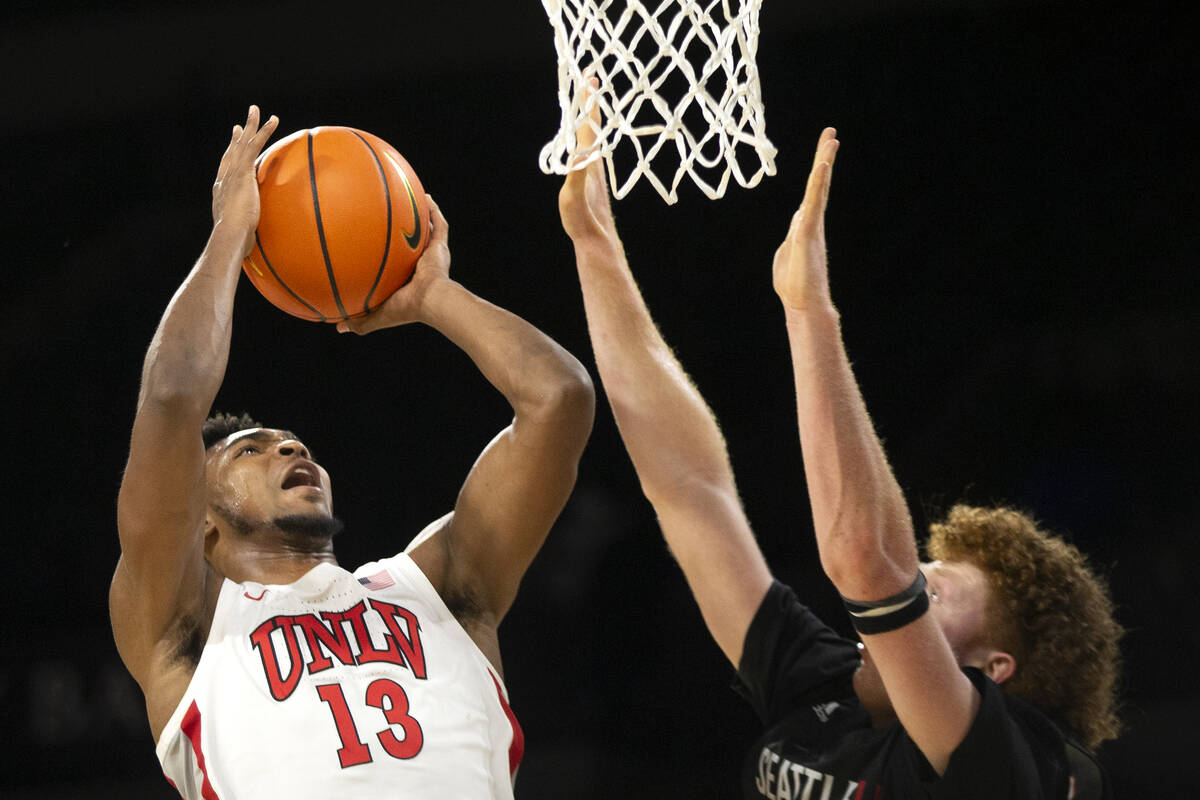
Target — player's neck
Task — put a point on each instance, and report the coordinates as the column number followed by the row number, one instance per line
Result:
column 275, row 558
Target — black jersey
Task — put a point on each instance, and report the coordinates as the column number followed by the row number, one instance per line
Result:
column 818, row 742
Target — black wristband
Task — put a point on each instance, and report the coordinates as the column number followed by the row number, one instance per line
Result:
column 881, row 616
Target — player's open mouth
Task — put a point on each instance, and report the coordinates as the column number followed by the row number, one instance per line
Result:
column 301, row 475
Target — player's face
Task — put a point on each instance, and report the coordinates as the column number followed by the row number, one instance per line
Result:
column 262, row 474
column 958, row 596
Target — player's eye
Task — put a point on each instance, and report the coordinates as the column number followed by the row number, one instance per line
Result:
column 247, row 449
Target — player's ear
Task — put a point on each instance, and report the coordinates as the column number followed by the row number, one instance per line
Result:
column 211, row 533
column 999, row 666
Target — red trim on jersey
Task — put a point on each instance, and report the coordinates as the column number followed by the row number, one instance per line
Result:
column 516, row 750
column 191, row 729
column 862, row 787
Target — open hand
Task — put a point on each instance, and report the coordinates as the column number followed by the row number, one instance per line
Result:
column 801, row 275
column 235, row 191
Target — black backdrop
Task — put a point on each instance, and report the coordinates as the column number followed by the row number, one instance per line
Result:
column 1012, row 232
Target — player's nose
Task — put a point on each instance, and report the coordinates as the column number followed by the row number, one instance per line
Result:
column 291, row 447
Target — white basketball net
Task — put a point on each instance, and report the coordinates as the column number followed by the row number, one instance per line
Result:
column 686, row 62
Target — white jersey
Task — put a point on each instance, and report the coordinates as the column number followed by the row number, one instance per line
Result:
column 336, row 683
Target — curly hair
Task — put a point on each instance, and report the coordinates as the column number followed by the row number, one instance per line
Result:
column 1046, row 607
column 220, row 425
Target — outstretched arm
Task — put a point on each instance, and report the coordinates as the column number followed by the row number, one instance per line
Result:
column 668, row 429
column 864, row 531
column 160, row 509
column 521, row 481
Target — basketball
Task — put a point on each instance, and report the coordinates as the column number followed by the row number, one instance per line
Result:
column 342, row 222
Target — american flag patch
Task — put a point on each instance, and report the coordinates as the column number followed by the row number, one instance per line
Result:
column 380, row 580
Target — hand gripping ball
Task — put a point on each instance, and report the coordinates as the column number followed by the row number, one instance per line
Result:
column 342, row 222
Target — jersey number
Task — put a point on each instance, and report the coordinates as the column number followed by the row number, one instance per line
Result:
column 389, row 697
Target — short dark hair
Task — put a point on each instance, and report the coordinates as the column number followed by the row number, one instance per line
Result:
column 221, row 425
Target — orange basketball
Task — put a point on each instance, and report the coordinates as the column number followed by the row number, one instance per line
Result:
column 343, row 221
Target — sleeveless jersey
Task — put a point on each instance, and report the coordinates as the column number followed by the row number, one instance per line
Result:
column 341, row 682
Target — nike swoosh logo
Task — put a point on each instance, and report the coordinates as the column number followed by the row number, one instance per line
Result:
column 413, row 238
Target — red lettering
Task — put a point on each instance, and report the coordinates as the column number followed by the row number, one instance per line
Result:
column 409, row 640
column 327, row 640
column 331, row 636
column 367, row 650
column 281, row 687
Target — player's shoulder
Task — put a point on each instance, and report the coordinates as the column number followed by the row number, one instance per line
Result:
column 429, row 550
column 1014, row 739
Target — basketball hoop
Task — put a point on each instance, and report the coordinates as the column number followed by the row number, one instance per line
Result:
column 683, row 73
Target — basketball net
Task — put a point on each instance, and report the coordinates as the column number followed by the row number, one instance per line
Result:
column 683, row 73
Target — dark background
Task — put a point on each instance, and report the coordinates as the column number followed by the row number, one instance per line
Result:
column 1012, row 232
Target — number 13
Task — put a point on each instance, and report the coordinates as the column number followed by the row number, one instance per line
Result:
column 389, row 697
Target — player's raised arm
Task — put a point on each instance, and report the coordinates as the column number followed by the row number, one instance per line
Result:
column 521, row 481
column 161, row 506
column 668, row 429
column 864, row 531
